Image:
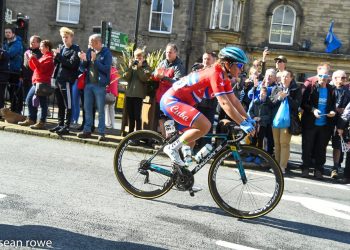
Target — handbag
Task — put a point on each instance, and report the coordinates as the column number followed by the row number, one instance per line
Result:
column 295, row 125
column 81, row 81
column 43, row 89
column 282, row 117
column 110, row 98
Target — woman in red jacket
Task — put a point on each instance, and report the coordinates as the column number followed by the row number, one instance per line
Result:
column 42, row 72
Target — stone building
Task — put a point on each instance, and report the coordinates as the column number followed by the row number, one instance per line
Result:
column 294, row 28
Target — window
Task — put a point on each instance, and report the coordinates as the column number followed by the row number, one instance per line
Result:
column 225, row 14
column 282, row 25
column 68, row 11
column 161, row 19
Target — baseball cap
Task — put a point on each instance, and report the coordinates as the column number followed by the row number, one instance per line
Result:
column 281, row 58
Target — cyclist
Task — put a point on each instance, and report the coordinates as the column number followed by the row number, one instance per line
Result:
column 178, row 102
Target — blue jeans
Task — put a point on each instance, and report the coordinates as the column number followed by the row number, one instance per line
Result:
column 33, row 111
column 94, row 94
column 75, row 103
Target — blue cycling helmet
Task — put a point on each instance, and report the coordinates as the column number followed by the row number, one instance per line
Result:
column 233, row 54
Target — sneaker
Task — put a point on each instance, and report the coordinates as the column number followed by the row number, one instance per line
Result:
column 101, row 138
column 305, row 173
column 54, row 129
column 63, row 131
column 174, row 155
column 38, row 125
column 26, row 123
column 249, row 159
column 84, row 135
column 318, row 174
column 334, row 174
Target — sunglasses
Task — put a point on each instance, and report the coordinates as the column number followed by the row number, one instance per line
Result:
column 279, row 61
column 239, row 65
column 323, row 76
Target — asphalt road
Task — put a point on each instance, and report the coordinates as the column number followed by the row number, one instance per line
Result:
column 66, row 194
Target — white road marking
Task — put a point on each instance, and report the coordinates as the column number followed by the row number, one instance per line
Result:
column 320, row 206
column 233, row 245
column 337, row 186
column 2, row 196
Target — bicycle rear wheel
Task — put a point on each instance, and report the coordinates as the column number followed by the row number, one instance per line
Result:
column 136, row 177
column 262, row 190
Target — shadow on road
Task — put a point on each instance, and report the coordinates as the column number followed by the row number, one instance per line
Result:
column 63, row 239
column 207, row 209
column 303, row 229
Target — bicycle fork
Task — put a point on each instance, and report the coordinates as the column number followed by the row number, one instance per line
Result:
column 238, row 160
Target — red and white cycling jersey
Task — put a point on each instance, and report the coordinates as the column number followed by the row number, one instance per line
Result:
column 179, row 100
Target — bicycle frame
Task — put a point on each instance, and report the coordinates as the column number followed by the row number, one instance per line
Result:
column 234, row 146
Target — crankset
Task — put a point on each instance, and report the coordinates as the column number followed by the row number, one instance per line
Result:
column 183, row 179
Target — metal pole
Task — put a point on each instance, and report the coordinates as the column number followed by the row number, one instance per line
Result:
column 2, row 22
column 137, row 23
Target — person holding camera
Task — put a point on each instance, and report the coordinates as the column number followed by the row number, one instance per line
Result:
column 42, row 72
column 137, row 75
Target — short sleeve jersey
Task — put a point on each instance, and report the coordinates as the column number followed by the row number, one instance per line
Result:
column 202, row 84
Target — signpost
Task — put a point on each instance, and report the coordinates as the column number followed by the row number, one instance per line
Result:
column 118, row 41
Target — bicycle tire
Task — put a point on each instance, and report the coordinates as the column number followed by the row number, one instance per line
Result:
column 250, row 200
column 140, row 145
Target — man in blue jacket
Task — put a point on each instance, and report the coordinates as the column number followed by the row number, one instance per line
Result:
column 96, row 62
column 14, row 47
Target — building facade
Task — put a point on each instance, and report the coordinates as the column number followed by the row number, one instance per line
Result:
column 294, row 28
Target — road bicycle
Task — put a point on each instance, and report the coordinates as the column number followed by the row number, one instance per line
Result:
column 243, row 180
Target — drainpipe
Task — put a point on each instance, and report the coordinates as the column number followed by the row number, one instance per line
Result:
column 137, row 23
column 189, row 35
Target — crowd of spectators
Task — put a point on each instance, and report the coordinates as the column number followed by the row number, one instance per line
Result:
column 318, row 109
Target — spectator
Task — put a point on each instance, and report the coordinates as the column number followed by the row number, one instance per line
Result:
column 281, row 63
column 313, row 79
column 13, row 46
column 287, row 90
column 66, row 72
column 42, row 72
column 137, row 76
column 111, row 96
column 4, row 76
column 261, row 112
column 97, row 62
column 317, row 120
column 342, row 98
column 343, row 123
column 167, row 72
column 27, row 73
column 260, row 64
column 269, row 82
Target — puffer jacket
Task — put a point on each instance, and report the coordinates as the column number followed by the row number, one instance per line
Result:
column 15, row 51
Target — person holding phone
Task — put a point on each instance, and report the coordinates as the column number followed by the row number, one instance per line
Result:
column 319, row 105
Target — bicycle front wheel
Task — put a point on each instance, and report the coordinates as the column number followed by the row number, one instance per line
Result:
column 255, row 195
column 133, row 174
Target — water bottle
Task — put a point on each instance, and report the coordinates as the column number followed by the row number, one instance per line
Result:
column 169, row 126
column 187, row 154
column 203, row 152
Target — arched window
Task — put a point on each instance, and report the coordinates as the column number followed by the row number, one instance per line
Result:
column 282, row 25
column 161, row 18
column 225, row 14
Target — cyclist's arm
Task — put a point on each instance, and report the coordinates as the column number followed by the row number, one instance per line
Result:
column 229, row 108
column 238, row 105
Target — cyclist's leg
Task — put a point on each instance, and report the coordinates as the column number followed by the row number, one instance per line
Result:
column 186, row 115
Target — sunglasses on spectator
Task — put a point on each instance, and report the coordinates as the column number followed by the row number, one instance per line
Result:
column 323, row 76
column 279, row 61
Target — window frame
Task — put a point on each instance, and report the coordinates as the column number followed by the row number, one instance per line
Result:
column 69, row 3
column 215, row 21
column 282, row 24
column 221, row 12
column 161, row 15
